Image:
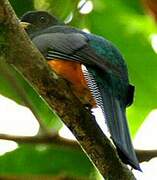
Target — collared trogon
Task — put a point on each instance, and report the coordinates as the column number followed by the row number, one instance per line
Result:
column 104, row 81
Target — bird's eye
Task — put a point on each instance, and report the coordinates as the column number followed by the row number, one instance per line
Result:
column 42, row 19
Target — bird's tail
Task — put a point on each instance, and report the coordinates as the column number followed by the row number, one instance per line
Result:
column 115, row 119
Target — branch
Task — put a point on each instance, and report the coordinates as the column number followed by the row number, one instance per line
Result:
column 41, row 139
column 146, row 155
column 19, row 51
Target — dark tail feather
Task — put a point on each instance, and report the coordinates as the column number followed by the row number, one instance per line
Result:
column 115, row 119
column 117, row 124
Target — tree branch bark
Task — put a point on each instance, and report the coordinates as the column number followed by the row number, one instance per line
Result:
column 146, row 155
column 54, row 138
column 17, row 50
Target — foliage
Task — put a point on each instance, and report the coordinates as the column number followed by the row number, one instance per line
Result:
column 122, row 22
column 40, row 159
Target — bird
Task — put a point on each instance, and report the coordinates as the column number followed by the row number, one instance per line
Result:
column 104, row 81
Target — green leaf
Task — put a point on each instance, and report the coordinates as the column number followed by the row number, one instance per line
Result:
column 46, row 159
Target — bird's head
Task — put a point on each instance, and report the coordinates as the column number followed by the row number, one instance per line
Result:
column 38, row 20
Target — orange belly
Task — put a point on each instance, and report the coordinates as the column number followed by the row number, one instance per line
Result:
column 72, row 72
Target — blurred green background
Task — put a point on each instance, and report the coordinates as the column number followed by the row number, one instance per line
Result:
column 128, row 25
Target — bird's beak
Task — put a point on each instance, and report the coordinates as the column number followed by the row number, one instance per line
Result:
column 25, row 25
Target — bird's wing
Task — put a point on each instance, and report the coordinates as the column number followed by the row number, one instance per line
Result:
column 71, row 47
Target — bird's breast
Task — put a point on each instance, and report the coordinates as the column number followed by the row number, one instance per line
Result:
column 72, row 72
